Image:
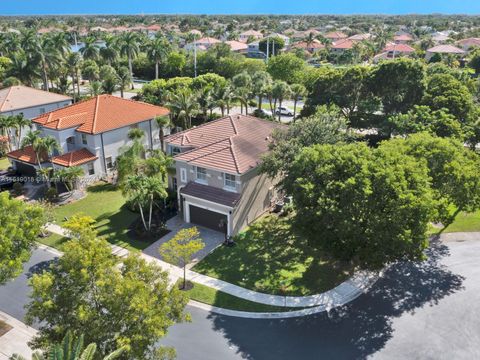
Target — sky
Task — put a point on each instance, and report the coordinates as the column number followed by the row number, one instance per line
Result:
column 54, row 7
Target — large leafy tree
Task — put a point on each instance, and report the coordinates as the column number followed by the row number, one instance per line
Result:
column 286, row 67
column 21, row 223
column 369, row 206
column 87, row 292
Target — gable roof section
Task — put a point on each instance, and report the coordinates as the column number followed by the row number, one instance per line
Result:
column 26, row 155
column 446, row 49
column 343, row 44
column 399, row 48
column 469, row 42
column 74, row 158
column 232, row 144
column 22, row 97
column 335, row 35
column 99, row 114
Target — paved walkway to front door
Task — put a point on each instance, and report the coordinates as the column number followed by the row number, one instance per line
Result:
column 211, row 239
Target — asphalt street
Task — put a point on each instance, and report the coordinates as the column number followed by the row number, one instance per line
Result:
column 426, row 310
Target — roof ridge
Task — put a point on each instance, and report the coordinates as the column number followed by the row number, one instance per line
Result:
column 176, row 135
column 237, row 166
column 6, row 97
column 95, row 112
column 233, row 124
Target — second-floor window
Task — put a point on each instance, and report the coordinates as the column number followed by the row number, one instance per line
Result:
column 84, row 139
column 229, row 181
column 109, row 162
column 201, row 174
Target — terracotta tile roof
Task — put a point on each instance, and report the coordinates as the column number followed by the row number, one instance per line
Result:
column 404, row 37
column 237, row 45
column 232, row 144
column 445, row 49
column 74, row 158
column 335, row 35
column 154, row 27
column 315, row 44
column 26, row 155
column 251, row 33
column 403, row 48
column 469, row 42
column 343, row 44
column 208, row 40
column 99, row 114
column 21, row 97
column 360, row 37
column 211, row 193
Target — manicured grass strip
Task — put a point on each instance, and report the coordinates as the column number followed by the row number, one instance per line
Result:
column 54, row 241
column 106, row 205
column 4, row 163
column 207, row 295
column 270, row 257
column 465, row 222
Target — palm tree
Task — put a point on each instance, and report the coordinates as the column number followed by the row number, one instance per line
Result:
column 109, row 52
column 7, row 123
column 183, row 105
column 222, row 96
column 90, row 48
column 298, row 91
column 24, row 70
column 129, row 47
column 69, row 176
column 280, row 91
column 110, row 84
column 205, row 100
column 33, row 139
column 95, row 88
column 157, row 50
column 20, row 122
column 71, row 349
column 123, row 79
column 73, row 63
column 242, row 84
column 242, row 94
column 136, row 134
column 162, row 122
column 261, row 79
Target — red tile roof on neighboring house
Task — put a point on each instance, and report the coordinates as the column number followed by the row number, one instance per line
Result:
column 26, row 155
column 343, row 44
column 469, row 42
column 233, row 144
column 99, row 114
column 208, row 40
column 360, row 37
column 154, row 27
column 74, row 158
column 21, row 97
column 237, row 45
column 446, row 49
column 401, row 48
column 315, row 44
column 251, row 33
column 404, row 37
column 335, row 35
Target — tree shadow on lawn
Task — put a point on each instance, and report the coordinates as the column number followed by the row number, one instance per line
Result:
column 269, row 257
column 354, row 331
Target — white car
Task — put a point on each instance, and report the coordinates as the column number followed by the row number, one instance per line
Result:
column 283, row 111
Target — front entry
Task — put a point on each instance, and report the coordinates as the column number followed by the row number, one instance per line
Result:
column 207, row 218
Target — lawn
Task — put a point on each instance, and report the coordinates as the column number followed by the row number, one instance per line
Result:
column 464, row 222
column 271, row 258
column 4, row 163
column 106, row 205
column 223, row 300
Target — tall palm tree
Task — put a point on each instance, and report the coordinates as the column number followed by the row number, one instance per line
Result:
column 95, row 88
column 7, row 123
column 183, row 105
column 109, row 84
column 109, row 52
column 261, row 79
column 205, row 100
column 33, row 139
column 162, row 122
column 123, row 79
column 20, row 122
column 281, row 91
column 23, row 69
column 222, row 97
column 129, row 47
column 157, row 50
column 298, row 91
column 69, row 176
column 73, row 63
column 90, row 48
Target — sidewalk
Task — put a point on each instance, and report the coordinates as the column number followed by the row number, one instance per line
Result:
column 340, row 295
column 16, row 339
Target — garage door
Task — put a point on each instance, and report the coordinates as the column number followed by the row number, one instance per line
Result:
column 207, row 218
column 25, row 169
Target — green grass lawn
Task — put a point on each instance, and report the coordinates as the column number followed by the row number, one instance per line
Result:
column 106, row 205
column 269, row 257
column 220, row 299
column 464, row 222
column 4, row 163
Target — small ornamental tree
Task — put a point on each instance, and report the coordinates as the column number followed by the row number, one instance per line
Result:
column 180, row 249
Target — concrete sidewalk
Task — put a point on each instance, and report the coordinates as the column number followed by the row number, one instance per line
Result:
column 340, row 295
column 15, row 341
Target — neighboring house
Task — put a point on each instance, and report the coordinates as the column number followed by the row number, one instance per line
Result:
column 335, row 36
column 395, row 50
column 237, row 46
column 440, row 37
column 244, row 36
column 202, row 44
column 402, row 39
column 339, row 47
column 468, row 44
column 92, row 133
column 30, row 102
column 443, row 49
column 285, row 38
column 360, row 37
column 311, row 46
column 217, row 177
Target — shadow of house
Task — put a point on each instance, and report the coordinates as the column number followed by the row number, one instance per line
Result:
column 354, row 331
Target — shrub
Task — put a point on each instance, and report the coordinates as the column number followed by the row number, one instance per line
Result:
column 51, row 194
column 17, row 188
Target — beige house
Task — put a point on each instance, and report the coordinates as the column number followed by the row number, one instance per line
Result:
column 217, row 177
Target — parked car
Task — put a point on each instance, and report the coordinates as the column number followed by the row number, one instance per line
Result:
column 283, row 111
column 262, row 113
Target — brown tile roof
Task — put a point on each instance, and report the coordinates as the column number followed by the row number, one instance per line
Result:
column 211, row 193
column 232, row 144
column 446, row 49
column 343, row 44
column 74, row 158
column 21, row 97
column 401, row 48
column 99, row 114
column 236, row 45
column 315, row 44
column 360, row 37
column 404, row 37
column 335, row 35
column 469, row 42
column 26, row 155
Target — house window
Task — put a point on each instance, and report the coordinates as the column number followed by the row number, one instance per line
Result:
column 174, row 183
column 42, row 111
column 175, row 150
column 230, row 181
column 91, row 169
column 201, row 174
column 109, row 162
column 84, row 139
column 183, row 175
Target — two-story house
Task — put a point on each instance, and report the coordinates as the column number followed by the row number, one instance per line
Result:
column 92, row 133
column 217, row 177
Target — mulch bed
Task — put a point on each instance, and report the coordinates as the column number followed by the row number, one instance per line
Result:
column 136, row 230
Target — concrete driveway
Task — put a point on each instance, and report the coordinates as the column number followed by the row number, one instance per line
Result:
column 211, row 238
